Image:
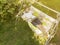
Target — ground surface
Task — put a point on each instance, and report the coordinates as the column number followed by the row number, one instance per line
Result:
column 21, row 34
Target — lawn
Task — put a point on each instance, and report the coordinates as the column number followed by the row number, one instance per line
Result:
column 18, row 32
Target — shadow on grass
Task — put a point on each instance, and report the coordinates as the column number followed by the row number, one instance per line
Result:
column 16, row 33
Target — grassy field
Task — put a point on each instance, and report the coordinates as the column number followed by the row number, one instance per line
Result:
column 19, row 33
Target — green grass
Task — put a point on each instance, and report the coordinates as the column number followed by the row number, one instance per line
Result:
column 16, row 33
column 19, row 33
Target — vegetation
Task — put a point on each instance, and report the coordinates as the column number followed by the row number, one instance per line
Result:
column 8, row 10
column 15, row 31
